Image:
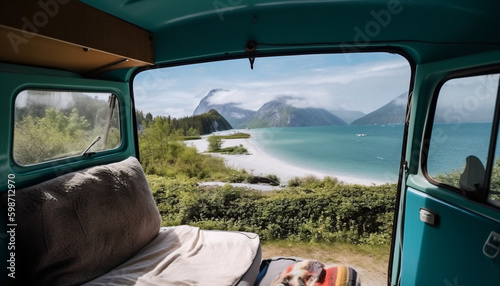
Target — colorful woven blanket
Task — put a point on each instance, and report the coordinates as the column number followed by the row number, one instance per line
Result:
column 314, row 273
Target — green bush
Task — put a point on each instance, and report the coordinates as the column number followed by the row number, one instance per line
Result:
column 238, row 135
column 214, row 143
column 57, row 135
column 274, row 178
column 312, row 182
column 233, row 150
column 163, row 153
column 328, row 213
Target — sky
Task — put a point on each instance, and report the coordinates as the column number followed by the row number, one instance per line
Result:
column 362, row 82
column 468, row 99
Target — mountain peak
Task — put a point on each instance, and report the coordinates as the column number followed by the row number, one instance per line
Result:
column 393, row 112
column 277, row 113
column 233, row 114
column 213, row 92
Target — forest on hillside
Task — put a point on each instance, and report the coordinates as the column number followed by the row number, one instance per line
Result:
column 191, row 126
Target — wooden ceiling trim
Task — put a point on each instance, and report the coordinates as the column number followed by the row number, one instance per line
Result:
column 47, row 52
column 73, row 23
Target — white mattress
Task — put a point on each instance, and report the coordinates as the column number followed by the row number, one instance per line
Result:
column 185, row 255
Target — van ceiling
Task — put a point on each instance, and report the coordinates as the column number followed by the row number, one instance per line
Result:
column 425, row 29
column 131, row 33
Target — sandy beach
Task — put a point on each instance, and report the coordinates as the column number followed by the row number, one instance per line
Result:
column 260, row 163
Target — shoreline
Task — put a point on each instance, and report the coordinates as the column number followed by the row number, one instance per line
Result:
column 260, row 163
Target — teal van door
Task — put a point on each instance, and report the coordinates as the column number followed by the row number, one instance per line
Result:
column 449, row 222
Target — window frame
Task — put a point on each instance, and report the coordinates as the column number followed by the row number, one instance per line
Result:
column 492, row 143
column 21, row 168
column 308, row 51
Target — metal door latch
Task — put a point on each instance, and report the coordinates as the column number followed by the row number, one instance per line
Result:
column 492, row 245
column 428, row 216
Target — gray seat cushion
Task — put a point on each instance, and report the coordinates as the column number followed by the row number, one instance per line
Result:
column 78, row 226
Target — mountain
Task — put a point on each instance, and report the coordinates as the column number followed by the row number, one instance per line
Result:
column 236, row 116
column 278, row 113
column 393, row 112
column 205, row 123
column 347, row 115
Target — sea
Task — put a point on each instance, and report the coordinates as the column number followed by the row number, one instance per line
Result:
column 370, row 152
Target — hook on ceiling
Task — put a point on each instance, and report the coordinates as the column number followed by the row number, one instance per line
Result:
column 250, row 49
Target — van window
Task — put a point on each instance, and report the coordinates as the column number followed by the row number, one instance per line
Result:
column 51, row 125
column 302, row 148
column 344, row 113
column 461, row 132
column 494, row 195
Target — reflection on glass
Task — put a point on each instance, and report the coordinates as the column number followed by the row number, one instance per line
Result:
column 52, row 125
column 462, row 127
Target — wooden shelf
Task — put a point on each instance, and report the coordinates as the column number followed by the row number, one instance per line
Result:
column 71, row 36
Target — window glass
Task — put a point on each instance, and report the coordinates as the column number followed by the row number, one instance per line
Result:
column 461, row 132
column 299, row 148
column 52, row 125
column 339, row 115
column 494, row 194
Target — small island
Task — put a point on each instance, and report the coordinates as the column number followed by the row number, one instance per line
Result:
column 215, row 144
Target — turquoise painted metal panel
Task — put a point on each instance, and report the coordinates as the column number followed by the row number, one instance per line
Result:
column 223, row 27
column 449, row 252
column 427, row 79
column 13, row 83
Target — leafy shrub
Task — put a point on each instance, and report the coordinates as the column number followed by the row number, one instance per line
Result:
column 234, row 150
column 163, row 153
column 294, row 182
column 312, row 182
column 214, row 143
column 274, row 178
column 328, row 213
column 238, row 135
column 56, row 134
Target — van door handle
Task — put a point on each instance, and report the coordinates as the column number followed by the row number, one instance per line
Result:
column 429, row 217
column 491, row 247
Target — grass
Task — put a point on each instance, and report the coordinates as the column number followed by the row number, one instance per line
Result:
column 187, row 138
column 233, row 150
column 371, row 261
column 238, row 135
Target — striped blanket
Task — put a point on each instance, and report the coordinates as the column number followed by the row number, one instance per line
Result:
column 314, row 273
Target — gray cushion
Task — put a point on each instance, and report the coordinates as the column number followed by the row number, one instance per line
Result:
column 81, row 225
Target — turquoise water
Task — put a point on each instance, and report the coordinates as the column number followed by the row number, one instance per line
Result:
column 370, row 152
